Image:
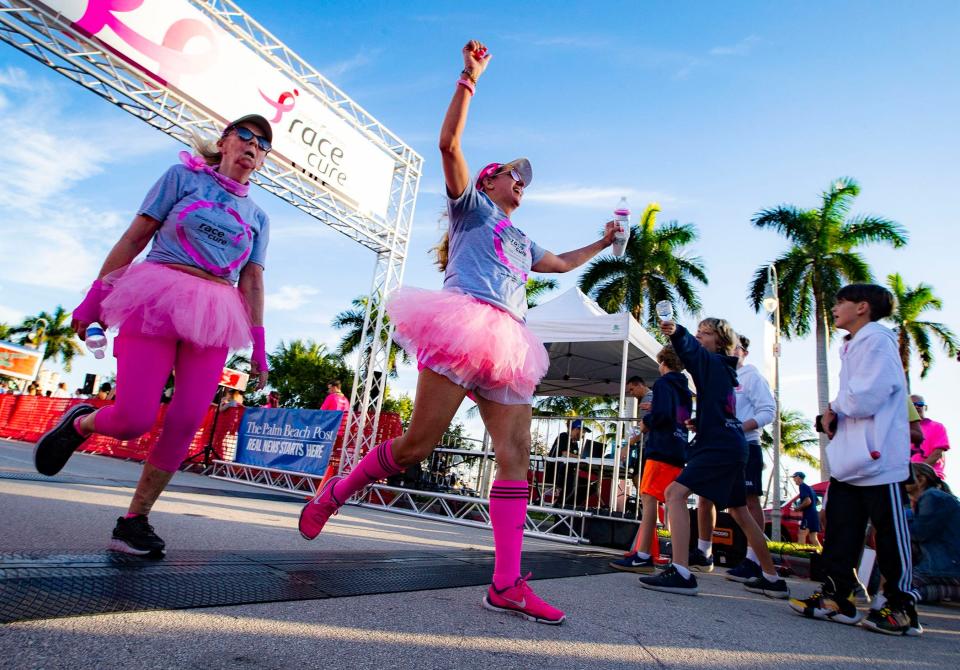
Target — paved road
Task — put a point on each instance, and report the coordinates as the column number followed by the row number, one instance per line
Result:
column 613, row 623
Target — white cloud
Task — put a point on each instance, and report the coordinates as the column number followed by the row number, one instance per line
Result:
column 355, row 62
column 14, row 77
column 59, row 259
column 289, row 298
column 592, row 196
column 58, row 241
column 10, row 316
column 741, row 48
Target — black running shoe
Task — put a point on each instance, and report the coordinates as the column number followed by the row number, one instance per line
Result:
column 135, row 536
column 57, row 445
column 775, row 589
column 891, row 621
column 633, row 563
column 700, row 562
column 827, row 607
column 744, row 572
column 670, row 581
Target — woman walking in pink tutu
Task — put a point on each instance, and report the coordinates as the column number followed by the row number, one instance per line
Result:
column 470, row 338
column 197, row 295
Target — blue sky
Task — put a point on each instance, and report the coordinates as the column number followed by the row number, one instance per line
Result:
column 715, row 110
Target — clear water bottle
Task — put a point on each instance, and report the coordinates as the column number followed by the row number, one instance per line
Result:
column 96, row 340
column 665, row 310
column 621, row 216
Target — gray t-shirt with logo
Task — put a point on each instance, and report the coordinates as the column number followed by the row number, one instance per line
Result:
column 204, row 225
column 489, row 258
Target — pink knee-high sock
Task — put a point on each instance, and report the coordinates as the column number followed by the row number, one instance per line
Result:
column 508, row 512
column 376, row 465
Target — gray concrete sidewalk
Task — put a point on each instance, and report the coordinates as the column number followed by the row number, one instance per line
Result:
column 612, row 622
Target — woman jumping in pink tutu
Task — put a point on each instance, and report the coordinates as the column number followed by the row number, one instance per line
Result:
column 470, row 337
column 197, row 295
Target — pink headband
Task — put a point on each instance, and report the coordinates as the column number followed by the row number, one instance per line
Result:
column 486, row 172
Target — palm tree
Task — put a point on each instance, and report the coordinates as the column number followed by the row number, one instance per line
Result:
column 352, row 320
column 53, row 330
column 654, row 268
column 597, row 406
column 536, row 287
column 911, row 333
column 820, row 260
column 299, row 371
column 571, row 406
column 6, row 331
column 796, row 437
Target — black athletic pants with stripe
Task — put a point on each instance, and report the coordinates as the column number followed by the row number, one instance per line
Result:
column 849, row 508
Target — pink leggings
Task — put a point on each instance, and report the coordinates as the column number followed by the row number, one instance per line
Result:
column 143, row 367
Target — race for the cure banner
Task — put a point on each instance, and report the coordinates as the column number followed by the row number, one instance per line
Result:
column 179, row 47
column 295, row 440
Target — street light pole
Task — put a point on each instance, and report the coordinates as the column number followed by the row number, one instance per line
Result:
column 35, row 336
column 771, row 303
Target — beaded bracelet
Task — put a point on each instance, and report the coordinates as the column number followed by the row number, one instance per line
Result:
column 467, row 84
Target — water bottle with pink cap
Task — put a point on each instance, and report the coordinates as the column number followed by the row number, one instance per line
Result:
column 621, row 216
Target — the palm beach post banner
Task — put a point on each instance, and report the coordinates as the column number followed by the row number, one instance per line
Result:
column 295, row 440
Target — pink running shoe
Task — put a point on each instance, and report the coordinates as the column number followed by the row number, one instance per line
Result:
column 315, row 513
column 520, row 600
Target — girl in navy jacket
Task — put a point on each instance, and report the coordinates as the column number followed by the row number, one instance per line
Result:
column 716, row 459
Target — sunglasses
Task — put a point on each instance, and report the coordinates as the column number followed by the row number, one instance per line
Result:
column 919, row 404
column 514, row 175
column 245, row 135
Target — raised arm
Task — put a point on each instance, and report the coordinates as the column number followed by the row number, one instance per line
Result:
column 456, row 174
column 565, row 262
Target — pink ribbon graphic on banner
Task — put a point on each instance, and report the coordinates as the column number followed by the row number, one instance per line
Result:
column 280, row 105
column 220, row 271
column 172, row 63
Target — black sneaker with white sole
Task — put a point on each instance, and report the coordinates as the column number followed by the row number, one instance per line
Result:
column 57, row 445
column 771, row 589
column 633, row 563
column 890, row 621
column 670, row 581
column 135, row 536
column 700, row 562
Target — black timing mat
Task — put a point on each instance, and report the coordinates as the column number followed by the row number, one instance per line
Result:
column 47, row 585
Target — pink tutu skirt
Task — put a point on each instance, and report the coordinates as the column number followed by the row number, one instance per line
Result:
column 472, row 343
column 160, row 301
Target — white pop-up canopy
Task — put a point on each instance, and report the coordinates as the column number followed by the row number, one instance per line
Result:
column 591, row 352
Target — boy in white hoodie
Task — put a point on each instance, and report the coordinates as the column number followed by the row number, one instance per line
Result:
column 869, row 458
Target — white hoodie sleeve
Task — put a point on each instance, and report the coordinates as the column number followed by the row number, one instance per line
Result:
column 764, row 406
column 879, row 376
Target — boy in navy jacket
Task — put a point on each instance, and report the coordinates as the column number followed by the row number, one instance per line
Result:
column 716, row 458
column 664, row 454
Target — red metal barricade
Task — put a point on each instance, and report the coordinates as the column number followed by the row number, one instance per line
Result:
column 26, row 418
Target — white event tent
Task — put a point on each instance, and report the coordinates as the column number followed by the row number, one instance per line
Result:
column 591, row 352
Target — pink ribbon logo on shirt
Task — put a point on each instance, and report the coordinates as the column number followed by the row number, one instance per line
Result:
column 501, row 253
column 219, row 270
column 172, row 63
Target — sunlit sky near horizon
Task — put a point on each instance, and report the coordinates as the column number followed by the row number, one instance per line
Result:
column 714, row 110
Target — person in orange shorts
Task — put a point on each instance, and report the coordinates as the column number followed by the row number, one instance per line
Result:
column 664, row 451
